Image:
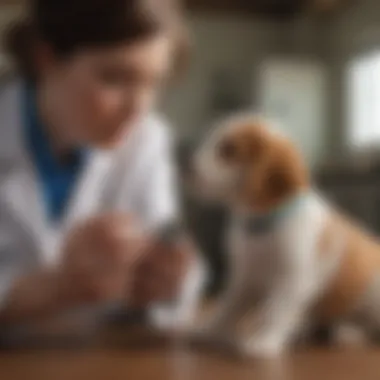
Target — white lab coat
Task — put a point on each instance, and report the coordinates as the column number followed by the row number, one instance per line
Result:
column 137, row 178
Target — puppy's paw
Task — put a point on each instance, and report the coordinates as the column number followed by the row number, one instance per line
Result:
column 209, row 341
column 171, row 321
column 348, row 336
column 263, row 348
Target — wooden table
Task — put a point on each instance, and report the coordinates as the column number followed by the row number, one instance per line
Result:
column 170, row 363
column 115, row 351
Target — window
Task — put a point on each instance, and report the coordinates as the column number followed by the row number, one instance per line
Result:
column 364, row 101
column 293, row 91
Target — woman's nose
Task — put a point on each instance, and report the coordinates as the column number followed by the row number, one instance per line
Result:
column 134, row 104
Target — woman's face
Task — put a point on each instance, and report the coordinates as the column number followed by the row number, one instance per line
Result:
column 97, row 95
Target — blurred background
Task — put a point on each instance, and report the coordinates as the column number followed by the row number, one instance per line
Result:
column 312, row 64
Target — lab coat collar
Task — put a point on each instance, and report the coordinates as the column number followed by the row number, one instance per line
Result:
column 20, row 187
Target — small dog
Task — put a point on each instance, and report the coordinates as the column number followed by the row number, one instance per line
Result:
column 295, row 261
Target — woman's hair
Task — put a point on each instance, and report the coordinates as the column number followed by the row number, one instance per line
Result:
column 68, row 26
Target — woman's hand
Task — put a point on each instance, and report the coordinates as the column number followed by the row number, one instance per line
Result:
column 100, row 256
column 160, row 274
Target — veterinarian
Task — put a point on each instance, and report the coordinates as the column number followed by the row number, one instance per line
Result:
column 86, row 174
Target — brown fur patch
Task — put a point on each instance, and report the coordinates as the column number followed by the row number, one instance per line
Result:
column 360, row 264
column 273, row 168
column 280, row 176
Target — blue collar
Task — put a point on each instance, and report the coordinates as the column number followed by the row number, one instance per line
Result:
column 261, row 224
column 56, row 179
column 35, row 130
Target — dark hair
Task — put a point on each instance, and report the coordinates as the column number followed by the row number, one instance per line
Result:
column 70, row 25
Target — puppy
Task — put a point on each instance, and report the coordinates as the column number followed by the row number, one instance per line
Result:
column 294, row 260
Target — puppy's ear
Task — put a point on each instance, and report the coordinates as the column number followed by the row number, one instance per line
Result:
column 247, row 147
column 279, row 179
column 228, row 150
column 280, row 174
column 256, row 147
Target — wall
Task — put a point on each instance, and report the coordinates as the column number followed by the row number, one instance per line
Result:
column 241, row 46
column 294, row 94
column 235, row 44
column 296, row 85
column 355, row 30
column 8, row 13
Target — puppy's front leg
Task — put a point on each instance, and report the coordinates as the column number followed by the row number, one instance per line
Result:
column 180, row 315
column 282, row 312
column 230, row 309
column 219, row 330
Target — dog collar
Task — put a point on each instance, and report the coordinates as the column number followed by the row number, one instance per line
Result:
column 260, row 224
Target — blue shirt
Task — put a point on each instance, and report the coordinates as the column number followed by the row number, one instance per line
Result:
column 57, row 179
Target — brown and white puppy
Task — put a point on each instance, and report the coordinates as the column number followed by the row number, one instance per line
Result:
column 295, row 261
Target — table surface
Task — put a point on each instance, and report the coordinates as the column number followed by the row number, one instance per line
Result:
column 181, row 365
column 114, row 355
column 61, row 351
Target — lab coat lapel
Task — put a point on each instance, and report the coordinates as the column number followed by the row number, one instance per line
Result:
column 19, row 185
column 95, row 192
column 21, row 194
column 87, row 197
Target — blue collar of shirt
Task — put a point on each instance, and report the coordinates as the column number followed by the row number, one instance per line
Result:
column 57, row 179
column 36, row 132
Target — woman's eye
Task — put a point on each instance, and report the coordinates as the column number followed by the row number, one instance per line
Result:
column 116, row 77
column 110, row 78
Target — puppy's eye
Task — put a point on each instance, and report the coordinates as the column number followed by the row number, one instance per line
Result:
column 227, row 150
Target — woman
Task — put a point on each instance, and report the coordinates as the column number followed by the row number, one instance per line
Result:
column 81, row 151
